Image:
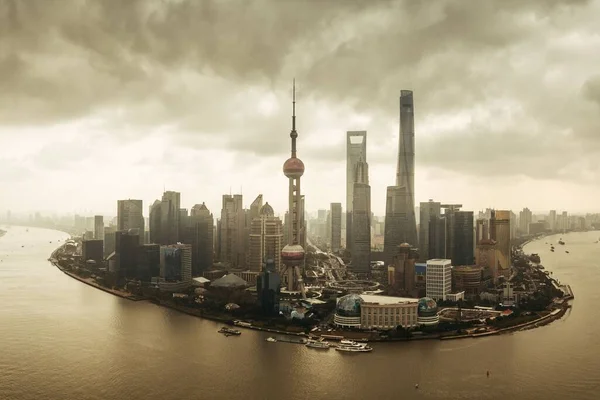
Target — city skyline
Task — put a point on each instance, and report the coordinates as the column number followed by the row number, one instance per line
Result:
column 134, row 128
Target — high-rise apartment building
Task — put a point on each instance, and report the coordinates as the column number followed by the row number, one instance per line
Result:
column 336, row 226
column 130, row 216
column 525, row 218
column 427, row 210
column 360, row 248
column 438, row 278
column 356, row 150
column 99, row 227
column 266, row 239
column 400, row 220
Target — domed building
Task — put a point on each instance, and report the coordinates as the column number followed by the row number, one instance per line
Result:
column 266, row 210
column 428, row 312
column 347, row 311
column 375, row 312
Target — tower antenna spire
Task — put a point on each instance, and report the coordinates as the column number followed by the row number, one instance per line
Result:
column 293, row 133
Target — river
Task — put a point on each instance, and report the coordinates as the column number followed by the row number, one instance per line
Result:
column 61, row 339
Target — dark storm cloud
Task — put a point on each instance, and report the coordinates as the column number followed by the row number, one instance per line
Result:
column 150, row 61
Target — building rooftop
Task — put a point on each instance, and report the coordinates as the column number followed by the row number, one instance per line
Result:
column 375, row 299
column 439, row 261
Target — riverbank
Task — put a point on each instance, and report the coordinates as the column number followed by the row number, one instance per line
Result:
column 90, row 281
column 554, row 314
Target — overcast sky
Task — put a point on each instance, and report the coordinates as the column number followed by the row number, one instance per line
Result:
column 106, row 100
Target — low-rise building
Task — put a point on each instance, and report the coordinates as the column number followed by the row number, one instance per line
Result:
column 376, row 312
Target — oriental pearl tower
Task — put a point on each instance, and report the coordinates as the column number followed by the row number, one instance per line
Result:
column 292, row 255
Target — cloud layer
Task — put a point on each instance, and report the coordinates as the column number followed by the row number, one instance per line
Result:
column 502, row 89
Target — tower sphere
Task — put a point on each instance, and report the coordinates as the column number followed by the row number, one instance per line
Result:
column 292, row 254
column 293, row 168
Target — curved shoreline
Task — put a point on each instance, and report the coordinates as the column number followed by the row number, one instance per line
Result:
column 557, row 313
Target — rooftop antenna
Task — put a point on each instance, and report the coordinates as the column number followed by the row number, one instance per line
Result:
column 293, row 133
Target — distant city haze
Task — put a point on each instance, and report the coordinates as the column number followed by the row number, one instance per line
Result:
column 102, row 101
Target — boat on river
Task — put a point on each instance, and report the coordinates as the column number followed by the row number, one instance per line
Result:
column 317, row 344
column 229, row 332
column 271, row 339
column 346, row 342
column 354, row 349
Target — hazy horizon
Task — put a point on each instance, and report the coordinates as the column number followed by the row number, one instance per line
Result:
column 101, row 101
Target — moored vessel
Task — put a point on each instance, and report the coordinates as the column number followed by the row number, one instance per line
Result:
column 317, row 344
column 354, row 349
column 229, row 332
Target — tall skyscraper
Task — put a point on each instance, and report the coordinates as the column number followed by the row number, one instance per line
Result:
column 170, row 217
column 427, row 210
column 184, row 223
column 552, row 220
column 292, row 255
column 99, row 227
column 482, row 231
column 232, row 237
column 525, row 218
column 459, row 236
column 356, row 149
column 126, row 249
column 360, row 247
column 268, row 287
column 437, row 237
column 266, row 239
column 336, row 226
column 500, row 233
column 154, row 222
column 400, row 220
column 199, row 234
column 130, row 216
